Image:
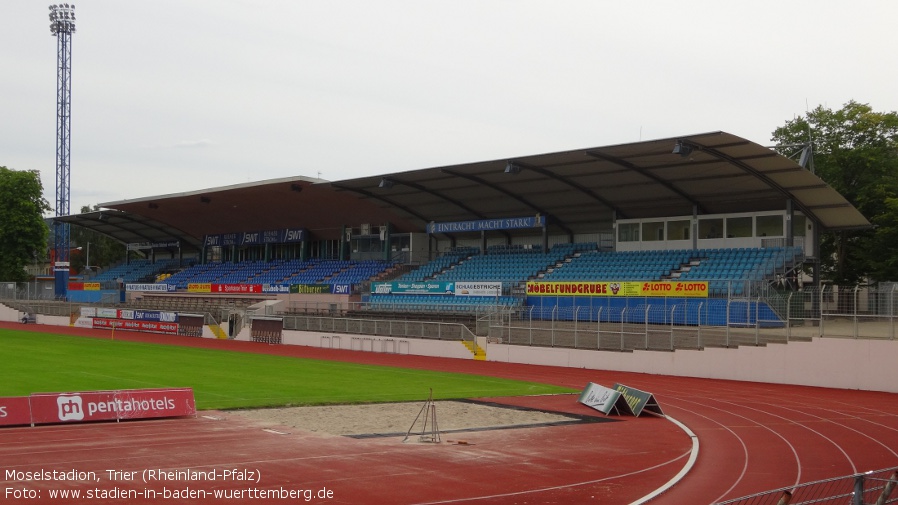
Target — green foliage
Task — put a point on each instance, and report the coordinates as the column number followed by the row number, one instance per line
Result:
column 23, row 233
column 103, row 250
column 856, row 152
column 33, row 362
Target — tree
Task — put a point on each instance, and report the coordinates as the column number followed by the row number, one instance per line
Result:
column 101, row 250
column 855, row 152
column 23, row 234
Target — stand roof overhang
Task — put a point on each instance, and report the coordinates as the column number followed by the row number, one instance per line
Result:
column 580, row 191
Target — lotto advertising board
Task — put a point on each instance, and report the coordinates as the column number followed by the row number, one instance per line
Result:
column 89, row 406
column 84, row 286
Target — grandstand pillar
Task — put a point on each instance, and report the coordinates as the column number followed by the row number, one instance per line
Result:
column 344, row 239
column 694, row 233
column 385, row 231
column 613, row 231
column 483, row 242
column 790, row 213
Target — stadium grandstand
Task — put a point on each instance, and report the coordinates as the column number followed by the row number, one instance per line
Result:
column 683, row 257
column 691, row 237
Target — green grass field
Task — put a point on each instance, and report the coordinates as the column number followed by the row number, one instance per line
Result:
column 40, row 362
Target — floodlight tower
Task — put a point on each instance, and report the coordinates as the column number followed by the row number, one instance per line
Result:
column 62, row 26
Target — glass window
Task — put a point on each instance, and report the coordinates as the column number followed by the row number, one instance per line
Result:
column 678, row 230
column 770, row 226
column 799, row 225
column 628, row 232
column 738, row 227
column 653, row 231
column 710, row 228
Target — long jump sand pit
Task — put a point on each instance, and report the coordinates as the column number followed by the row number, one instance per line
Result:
column 396, row 419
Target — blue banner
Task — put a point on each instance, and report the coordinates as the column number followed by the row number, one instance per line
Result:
column 413, row 288
column 292, row 235
column 275, row 288
column 508, row 223
column 228, row 239
column 282, row 236
column 251, row 238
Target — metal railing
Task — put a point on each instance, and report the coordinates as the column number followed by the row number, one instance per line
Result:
column 876, row 487
column 379, row 327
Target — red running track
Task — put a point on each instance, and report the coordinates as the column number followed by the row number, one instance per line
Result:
column 752, row 437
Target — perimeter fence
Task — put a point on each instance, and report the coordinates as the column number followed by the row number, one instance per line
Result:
column 870, row 488
column 772, row 314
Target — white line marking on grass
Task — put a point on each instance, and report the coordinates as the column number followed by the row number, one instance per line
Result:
column 125, row 379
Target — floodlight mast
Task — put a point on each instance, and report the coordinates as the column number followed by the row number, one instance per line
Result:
column 62, row 26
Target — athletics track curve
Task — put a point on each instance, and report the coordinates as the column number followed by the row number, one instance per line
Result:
column 753, row 437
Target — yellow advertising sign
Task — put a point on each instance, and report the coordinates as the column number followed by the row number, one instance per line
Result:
column 694, row 289
column 199, row 287
column 91, row 286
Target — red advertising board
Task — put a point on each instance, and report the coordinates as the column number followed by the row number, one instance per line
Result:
column 236, row 288
column 123, row 324
column 15, row 411
column 87, row 406
column 153, row 403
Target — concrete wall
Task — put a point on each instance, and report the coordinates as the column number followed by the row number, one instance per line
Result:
column 416, row 346
column 865, row 364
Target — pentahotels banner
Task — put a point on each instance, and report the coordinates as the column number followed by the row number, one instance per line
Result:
column 695, row 289
column 81, row 407
column 15, row 411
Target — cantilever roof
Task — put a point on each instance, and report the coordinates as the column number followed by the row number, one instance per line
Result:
column 581, row 191
column 578, row 189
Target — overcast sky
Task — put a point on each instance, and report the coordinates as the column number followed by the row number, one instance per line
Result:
column 182, row 95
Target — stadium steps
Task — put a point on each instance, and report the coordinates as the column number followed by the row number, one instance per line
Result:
column 478, row 352
column 219, row 333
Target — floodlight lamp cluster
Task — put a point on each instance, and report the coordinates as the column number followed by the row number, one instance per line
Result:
column 683, row 149
column 62, row 18
column 512, row 168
